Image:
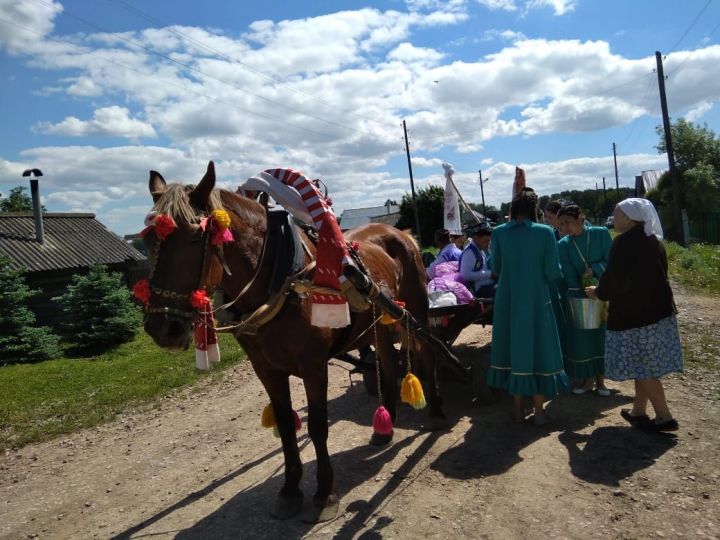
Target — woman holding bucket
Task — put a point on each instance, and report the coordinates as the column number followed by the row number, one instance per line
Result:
column 584, row 257
column 642, row 341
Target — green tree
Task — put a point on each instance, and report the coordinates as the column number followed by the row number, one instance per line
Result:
column 697, row 158
column 20, row 340
column 99, row 312
column 18, row 201
column 430, row 204
column 693, row 145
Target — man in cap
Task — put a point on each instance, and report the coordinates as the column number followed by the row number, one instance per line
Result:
column 475, row 261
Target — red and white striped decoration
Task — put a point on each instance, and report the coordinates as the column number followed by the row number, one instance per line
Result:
column 330, row 311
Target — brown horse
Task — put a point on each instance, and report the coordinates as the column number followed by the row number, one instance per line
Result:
column 287, row 344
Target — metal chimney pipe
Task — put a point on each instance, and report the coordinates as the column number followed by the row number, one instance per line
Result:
column 35, row 193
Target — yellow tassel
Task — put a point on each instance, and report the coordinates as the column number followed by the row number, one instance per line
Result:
column 411, row 392
column 267, row 419
column 222, row 219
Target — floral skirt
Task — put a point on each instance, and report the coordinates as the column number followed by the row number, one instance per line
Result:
column 648, row 352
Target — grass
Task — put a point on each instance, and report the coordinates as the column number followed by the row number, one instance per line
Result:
column 697, row 266
column 39, row 401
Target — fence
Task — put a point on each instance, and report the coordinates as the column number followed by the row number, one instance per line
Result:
column 706, row 228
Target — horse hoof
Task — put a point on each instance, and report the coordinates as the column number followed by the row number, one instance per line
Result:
column 322, row 510
column 380, row 440
column 435, row 423
column 286, row 507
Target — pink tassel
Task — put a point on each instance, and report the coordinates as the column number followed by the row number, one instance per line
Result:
column 382, row 423
column 221, row 237
column 298, row 422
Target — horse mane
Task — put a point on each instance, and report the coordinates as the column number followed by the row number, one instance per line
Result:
column 411, row 238
column 175, row 202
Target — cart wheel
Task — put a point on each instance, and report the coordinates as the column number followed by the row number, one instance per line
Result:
column 369, row 375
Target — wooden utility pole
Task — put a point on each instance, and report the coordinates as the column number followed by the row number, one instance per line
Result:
column 604, row 196
column 675, row 180
column 412, row 183
column 617, row 183
column 482, row 194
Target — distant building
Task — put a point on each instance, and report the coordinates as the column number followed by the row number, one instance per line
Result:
column 354, row 217
column 72, row 243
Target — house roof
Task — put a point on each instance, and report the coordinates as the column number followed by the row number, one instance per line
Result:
column 354, row 217
column 70, row 241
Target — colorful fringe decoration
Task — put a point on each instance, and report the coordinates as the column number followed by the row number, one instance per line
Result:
column 411, row 392
column 267, row 420
column 382, row 423
column 385, row 318
column 162, row 224
column 141, row 291
column 207, row 351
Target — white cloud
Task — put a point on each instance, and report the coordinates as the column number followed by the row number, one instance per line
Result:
column 559, row 7
column 506, row 5
column 29, row 23
column 111, row 121
column 423, row 162
column 693, row 115
column 505, row 35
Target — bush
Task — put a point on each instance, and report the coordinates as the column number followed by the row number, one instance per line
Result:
column 99, row 312
column 20, row 340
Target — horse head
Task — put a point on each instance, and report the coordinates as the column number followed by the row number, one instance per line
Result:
column 181, row 257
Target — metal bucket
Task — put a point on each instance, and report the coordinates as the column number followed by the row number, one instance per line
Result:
column 586, row 313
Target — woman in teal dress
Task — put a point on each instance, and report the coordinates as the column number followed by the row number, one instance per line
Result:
column 525, row 355
column 583, row 256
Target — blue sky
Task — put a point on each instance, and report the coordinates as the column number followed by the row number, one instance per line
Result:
column 98, row 93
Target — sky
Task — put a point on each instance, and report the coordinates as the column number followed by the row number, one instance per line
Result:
column 97, row 93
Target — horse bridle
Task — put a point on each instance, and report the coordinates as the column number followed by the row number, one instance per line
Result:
column 174, row 295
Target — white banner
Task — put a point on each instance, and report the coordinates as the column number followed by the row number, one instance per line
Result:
column 452, row 204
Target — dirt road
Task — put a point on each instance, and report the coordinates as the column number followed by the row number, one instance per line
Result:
column 200, row 466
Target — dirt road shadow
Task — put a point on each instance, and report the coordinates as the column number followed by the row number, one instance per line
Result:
column 246, row 514
column 610, row 454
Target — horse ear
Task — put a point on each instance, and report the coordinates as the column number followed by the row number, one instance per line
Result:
column 201, row 194
column 157, row 185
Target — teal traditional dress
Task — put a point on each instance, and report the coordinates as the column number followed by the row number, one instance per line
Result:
column 585, row 349
column 525, row 356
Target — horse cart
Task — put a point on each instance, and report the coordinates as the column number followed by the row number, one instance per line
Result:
column 446, row 323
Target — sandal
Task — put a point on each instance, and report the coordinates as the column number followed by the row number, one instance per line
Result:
column 652, row 425
column 604, row 392
column 542, row 419
column 633, row 420
column 580, row 390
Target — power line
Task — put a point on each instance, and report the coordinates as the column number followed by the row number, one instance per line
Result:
column 692, row 24
column 240, row 63
column 204, row 74
column 280, row 121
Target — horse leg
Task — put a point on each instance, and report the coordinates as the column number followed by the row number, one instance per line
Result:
column 325, row 503
column 289, row 500
column 389, row 359
column 437, row 419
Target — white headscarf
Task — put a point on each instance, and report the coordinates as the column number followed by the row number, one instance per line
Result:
column 643, row 211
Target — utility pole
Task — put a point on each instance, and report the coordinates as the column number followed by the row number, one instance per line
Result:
column 412, row 183
column 678, row 213
column 604, row 196
column 482, row 195
column 617, row 184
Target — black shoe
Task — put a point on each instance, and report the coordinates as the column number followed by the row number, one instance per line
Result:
column 633, row 420
column 651, row 425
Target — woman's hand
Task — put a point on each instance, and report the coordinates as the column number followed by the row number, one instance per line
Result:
column 590, row 292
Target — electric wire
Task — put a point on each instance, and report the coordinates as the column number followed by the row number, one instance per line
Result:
column 243, row 65
column 280, row 121
column 201, row 72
